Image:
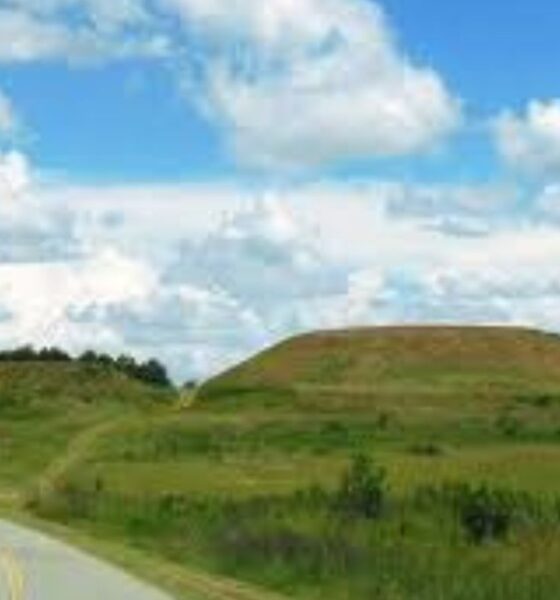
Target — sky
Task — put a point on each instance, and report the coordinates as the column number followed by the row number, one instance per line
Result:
column 198, row 179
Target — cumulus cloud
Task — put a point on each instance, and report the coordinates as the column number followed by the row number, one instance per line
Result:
column 250, row 281
column 259, row 255
column 530, row 142
column 15, row 175
column 103, row 14
column 460, row 210
column 292, row 84
column 76, row 31
column 37, row 237
column 314, row 82
column 548, row 202
column 56, row 285
column 49, row 275
column 246, row 276
column 45, row 300
column 204, row 275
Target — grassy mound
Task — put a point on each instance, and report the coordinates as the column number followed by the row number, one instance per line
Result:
column 43, row 405
column 251, row 480
column 257, row 479
column 365, row 368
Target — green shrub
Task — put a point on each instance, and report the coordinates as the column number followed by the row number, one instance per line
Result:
column 509, row 425
column 425, row 449
column 362, row 490
column 485, row 514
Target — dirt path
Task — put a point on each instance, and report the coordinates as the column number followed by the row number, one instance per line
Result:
column 76, row 451
column 194, row 584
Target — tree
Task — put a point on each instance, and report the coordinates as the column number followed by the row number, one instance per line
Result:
column 127, row 365
column 89, row 356
column 53, row 355
column 153, row 372
column 23, row 354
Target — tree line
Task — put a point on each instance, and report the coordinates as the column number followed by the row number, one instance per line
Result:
column 150, row 371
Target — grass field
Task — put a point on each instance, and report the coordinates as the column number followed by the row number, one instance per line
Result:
column 246, row 481
column 43, row 406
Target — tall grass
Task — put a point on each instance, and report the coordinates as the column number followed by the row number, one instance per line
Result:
column 358, row 542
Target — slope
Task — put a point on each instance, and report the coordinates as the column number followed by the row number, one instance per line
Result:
column 43, row 405
column 388, row 367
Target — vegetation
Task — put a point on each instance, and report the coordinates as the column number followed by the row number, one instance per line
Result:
column 361, row 492
column 442, row 542
column 46, row 404
column 150, row 371
column 381, row 464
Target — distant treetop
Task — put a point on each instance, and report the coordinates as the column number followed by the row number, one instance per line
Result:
column 151, row 371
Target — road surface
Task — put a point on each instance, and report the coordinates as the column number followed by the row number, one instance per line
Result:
column 35, row 567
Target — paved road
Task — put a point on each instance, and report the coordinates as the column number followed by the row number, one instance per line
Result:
column 34, row 567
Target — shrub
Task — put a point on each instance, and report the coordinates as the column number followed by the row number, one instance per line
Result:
column 509, row 425
column 539, row 400
column 485, row 514
column 361, row 492
column 151, row 371
column 29, row 354
column 426, row 449
column 383, row 420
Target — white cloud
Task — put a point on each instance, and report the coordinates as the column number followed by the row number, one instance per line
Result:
column 548, row 202
column 531, row 141
column 30, row 231
column 314, row 81
column 42, row 32
column 78, row 267
column 45, row 299
column 15, row 175
column 292, row 84
column 103, row 14
column 259, row 255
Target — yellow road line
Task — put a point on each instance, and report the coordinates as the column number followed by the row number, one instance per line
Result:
column 13, row 570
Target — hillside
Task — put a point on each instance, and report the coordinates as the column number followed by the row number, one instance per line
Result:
column 43, row 405
column 54, row 414
column 396, row 362
column 324, row 467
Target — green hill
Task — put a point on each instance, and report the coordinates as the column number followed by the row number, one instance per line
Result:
column 389, row 356
column 369, row 368
column 44, row 404
column 250, row 478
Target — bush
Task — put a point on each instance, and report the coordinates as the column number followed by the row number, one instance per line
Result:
column 151, row 371
column 509, row 425
column 539, row 400
column 29, row 354
column 361, row 493
column 484, row 514
column 425, row 449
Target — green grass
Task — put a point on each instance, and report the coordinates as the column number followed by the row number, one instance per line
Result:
column 238, row 481
column 299, row 546
column 52, row 415
column 368, row 366
column 43, row 406
column 181, row 581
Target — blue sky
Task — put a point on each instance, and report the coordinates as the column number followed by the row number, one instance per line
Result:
column 197, row 179
column 495, row 53
column 91, row 121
